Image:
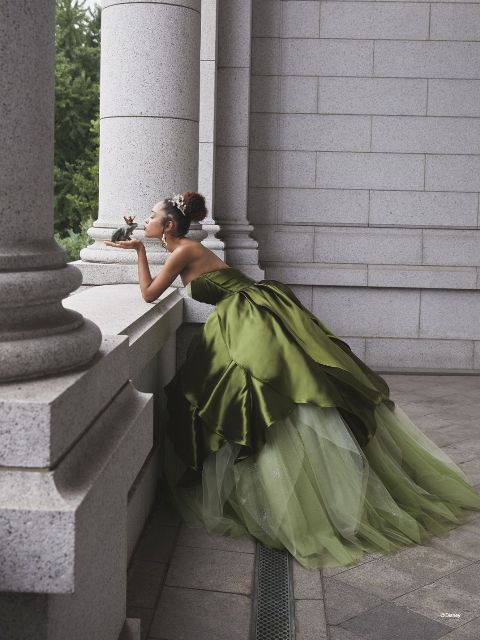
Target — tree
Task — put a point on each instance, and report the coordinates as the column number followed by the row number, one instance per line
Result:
column 77, row 79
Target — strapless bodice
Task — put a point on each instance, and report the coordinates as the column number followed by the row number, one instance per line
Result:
column 213, row 286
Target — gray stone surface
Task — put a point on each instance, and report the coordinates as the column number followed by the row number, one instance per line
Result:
column 372, row 20
column 211, row 569
column 40, row 420
column 409, row 59
column 396, row 623
column 307, row 585
column 199, row 538
column 150, row 118
column 343, row 602
column 310, row 621
column 193, row 614
column 38, row 336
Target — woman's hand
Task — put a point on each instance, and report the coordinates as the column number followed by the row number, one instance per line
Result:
column 125, row 244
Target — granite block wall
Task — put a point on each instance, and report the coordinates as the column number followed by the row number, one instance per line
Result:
column 364, row 170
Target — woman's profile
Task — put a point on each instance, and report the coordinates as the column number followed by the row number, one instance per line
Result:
column 278, row 430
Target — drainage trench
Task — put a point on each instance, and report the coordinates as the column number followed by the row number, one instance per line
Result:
column 273, row 605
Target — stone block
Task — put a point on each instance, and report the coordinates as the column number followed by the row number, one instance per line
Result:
column 231, row 181
column 394, row 622
column 423, row 209
column 343, row 601
column 39, row 419
column 145, row 71
column 425, row 134
column 188, row 4
column 300, row 19
column 141, row 497
column 208, row 79
column 63, row 539
column 266, row 18
column 369, row 245
column 454, row 97
column 304, row 294
column 323, row 206
column 315, row 132
column 298, row 94
column 307, row 585
column 263, row 131
column 370, row 171
column 264, row 93
column 212, row 570
column 232, row 106
column 450, row 314
column 266, row 56
column 296, row 169
column 317, row 57
column 195, row 614
column 310, row 623
column 452, row 246
column 433, row 599
column 208, row 40
column 144, row 583
column 408, row 59
column 133, row 317
column 368, row 313
column 262, row 169
column 393, row 96
column 424, row 277
column 418, row 352
column 200, row 538
column 290, row 243
column 374, row 20
column 234, row 34
column 455, row 22
column 319, row 273
column 452, row 173
column 262, row 205
column 131, row 629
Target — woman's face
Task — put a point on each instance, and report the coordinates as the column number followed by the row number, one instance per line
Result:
column 153, row 224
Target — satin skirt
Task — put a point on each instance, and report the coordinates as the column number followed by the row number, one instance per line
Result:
column 313, row 490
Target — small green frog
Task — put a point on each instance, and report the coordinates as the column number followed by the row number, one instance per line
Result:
column 125, row 231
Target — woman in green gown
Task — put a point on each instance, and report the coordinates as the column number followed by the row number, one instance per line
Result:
column 279, row 431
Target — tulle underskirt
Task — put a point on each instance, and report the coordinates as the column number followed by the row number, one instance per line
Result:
column 314, row 491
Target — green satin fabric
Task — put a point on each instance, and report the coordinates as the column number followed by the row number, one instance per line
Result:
column 260, row 353
column 278, row 431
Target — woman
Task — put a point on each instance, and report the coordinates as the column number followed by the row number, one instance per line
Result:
column 278, row 430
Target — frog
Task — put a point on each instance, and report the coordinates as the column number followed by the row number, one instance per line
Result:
column 125, row 231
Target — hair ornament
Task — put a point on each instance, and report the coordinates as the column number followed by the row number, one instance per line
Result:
column 178, row 201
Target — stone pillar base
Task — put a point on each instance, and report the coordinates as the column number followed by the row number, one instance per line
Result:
column 79, row 442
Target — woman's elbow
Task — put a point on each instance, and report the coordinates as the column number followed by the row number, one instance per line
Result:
column 148, row 297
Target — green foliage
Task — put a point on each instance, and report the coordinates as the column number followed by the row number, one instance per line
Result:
column 77, row 79
column 73, row 242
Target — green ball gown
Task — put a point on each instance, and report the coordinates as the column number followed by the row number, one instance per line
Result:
column 277, row 430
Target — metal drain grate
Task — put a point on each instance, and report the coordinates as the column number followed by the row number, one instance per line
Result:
column 274, row 615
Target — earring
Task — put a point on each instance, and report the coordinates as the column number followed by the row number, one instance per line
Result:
column 164, row 240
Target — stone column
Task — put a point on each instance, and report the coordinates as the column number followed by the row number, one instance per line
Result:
column 149, row 106
column 232, row 136
column 37, row 335
column 208, row 99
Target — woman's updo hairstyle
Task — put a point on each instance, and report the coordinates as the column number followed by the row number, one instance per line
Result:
column 195, row 210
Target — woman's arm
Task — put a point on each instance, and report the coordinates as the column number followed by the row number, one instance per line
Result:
column 152, row 288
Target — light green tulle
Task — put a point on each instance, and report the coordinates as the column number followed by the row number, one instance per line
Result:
column 314, row 491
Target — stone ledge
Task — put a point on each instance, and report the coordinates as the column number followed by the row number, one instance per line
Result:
column 375, row 275
column 39, row 419
column 120, row 309
column 47, row 516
